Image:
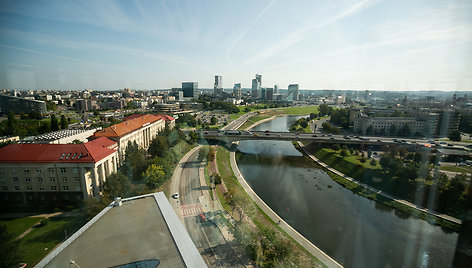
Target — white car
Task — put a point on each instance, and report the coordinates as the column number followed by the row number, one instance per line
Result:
column 175, row 196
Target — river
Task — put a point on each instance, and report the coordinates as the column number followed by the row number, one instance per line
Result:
column 355, row 231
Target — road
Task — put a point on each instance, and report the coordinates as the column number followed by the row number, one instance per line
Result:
column 190, row 205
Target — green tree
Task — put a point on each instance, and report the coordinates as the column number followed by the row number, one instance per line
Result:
column 312, row 116
column 193, row 136
column 203, row 153
column 116, row 185
column 154, row 176
column 10, row 255
column 64, row 122
column 50, row 106
column 304, row 124
column 344, row 153
column 216, row 178
column 247, row 109
column 455, row 135
column 158, row 146
column 370, row 130
column 336, row 147
column 325, row 109
column 211, row 154
column 213, row 120
column 54, row 123
column 373, row 162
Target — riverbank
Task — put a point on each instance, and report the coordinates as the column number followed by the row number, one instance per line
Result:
column 384, row 198
column 289, row 230
column 255, row 223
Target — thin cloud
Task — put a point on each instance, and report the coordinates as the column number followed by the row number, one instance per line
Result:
column 300, row 35
column 243, row 33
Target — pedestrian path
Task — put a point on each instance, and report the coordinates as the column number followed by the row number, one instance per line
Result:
column 191, row 210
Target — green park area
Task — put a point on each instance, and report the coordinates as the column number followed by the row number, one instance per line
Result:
column 457, row 169
column 302, row 110
column 17, row 226
column 41, row 240
column 401, row 174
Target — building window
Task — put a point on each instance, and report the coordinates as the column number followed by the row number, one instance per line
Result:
column 40, row 179
column 64, row 179
column 41, row 188
column 75, row 170
column 26, row 170
column 15, row 179
column 28, row 179
column 65, row 188
column 17, row 188
column 63, row 170
column 29, row 188
column 51, row 170
column 4, row 188
column 38, row 170
column 76, row 179
column 53, row 188
column 52, row 179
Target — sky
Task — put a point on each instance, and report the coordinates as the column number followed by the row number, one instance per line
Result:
column 346, row 44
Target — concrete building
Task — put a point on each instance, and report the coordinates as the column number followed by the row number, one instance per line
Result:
column 9, row 139
column 85, row 105
column 276, row 89
column 167, row 108
column 190, row 89
column 21, row 105
column 293, row 92
column 218, row 86
column 65, row 136
column 383, row 125
column 140, row 231
column 255, row 88
column 269, row 94
column 237, row 91
column 141, row 130
column 31, row 174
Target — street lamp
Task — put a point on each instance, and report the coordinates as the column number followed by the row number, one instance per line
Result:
column 73, row 262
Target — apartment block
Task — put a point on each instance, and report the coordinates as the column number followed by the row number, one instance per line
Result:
column 33, row 174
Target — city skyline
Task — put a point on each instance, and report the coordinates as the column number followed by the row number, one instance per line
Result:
column 375, row 45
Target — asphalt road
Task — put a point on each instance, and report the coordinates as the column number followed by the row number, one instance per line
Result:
column 206, row 236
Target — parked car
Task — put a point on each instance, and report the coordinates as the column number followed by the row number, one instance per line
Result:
column 175, row 196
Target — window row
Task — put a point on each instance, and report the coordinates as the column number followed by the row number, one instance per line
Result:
column 39, row 179
column 42, row 197
column 30, row 188
column 40, row 170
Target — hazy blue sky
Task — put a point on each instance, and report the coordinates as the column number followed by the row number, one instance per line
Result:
column 372, row 44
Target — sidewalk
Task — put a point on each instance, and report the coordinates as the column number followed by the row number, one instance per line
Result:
column 404, row 202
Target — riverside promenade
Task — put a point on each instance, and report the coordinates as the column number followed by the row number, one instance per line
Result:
column 377, row 191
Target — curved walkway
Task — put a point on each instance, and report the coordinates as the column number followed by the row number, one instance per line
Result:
column 377, row 191
column 314, row 250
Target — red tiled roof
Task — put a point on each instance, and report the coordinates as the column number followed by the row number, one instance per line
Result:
column 133, row 116
column 166, row 117
column 126, row 127
column 89, row 152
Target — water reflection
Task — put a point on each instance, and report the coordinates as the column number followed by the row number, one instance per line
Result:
column 354, row 230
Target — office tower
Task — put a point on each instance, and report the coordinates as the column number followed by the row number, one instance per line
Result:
column 218, row 86
column 259, row 78
column 263, row 93
column 190, row 89
column 255, row 88
column 269, row 94
column 237, row 91
column 276, row 89
column 292, row 92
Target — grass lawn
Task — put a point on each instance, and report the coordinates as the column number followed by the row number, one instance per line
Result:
column 457, row 169
column 19, row 225
column 331, row 156
column 304, row 110
column 37, row 244
column 207, row 179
